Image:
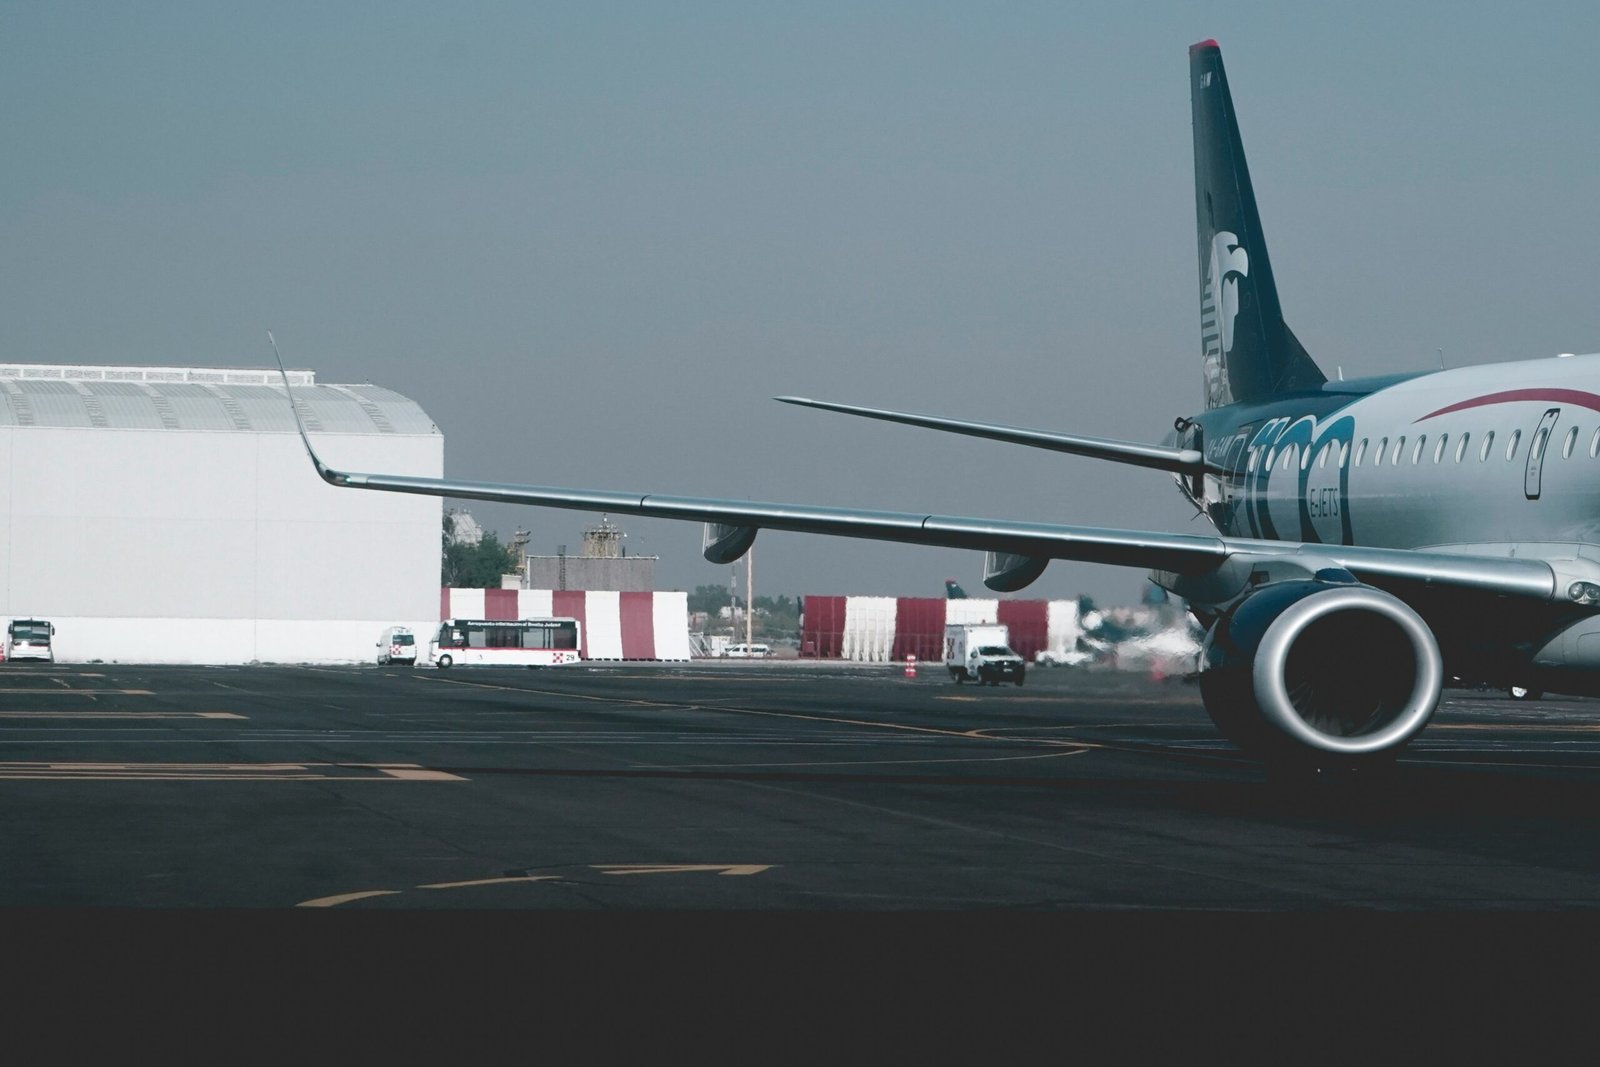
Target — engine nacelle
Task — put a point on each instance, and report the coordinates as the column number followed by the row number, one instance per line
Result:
column 1333, row 668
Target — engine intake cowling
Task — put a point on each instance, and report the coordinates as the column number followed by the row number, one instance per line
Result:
column 1321, row 667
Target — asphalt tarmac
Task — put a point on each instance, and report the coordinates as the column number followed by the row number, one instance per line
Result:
column 756, row 787
column 768, row 857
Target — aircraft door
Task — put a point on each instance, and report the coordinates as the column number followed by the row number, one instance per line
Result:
column 1222, row 491
column 1533, row 476
column 1192, row 435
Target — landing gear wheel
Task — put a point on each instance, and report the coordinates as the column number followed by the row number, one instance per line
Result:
column 1522, row 692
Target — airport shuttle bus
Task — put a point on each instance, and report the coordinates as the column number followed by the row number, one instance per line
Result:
column 30, row 639
column 505, row 643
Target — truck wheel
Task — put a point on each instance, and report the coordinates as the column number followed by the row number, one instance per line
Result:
column 444, row 662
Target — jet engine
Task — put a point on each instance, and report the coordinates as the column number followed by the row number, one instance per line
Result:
column 1324, row 670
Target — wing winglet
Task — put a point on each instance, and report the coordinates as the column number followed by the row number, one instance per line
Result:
column 326, row 473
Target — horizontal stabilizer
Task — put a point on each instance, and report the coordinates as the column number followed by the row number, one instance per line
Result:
column 1186, row 461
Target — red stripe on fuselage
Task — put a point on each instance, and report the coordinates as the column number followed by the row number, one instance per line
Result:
column 1512, row 396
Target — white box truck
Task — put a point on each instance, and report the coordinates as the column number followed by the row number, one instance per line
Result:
column 981, row 652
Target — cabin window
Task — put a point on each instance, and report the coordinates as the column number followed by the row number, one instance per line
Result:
column 1488, row 443
column 1572, row 439
column 1322, row 457
column 1594, row 445
column 1344, row 454
column 1377, row 453
column 1511, row 445
column 1288, row 456
column 1416, row 453
column 1461, row 446
column 1305, row 458
column 1361, row 449
column 1438, row 449
column 1399, row 447
column 1255, row 454
column 1272, row 457
column 1536, row 449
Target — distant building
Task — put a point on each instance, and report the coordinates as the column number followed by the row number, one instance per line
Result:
column 170, row 514
column 603, row 564
column 464, row 529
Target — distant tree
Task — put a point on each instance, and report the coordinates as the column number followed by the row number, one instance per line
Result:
column 708, row 598
column 777, row 616
column 474, row 566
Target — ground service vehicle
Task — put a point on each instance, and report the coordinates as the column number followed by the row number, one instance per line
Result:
column 397, row 645
column 979, row 652
column 744, row 651
column 1365, row 539
column 30, row 639
column 506, row 643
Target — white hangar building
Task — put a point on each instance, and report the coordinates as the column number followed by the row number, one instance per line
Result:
column 170, row 515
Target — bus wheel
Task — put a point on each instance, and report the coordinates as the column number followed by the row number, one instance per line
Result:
column 444, row 662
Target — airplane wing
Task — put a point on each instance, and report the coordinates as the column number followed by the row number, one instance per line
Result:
column 1017, row 552
column 1185, row 461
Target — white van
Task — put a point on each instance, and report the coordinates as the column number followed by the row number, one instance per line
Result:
column 397, row 645
column 744, row 651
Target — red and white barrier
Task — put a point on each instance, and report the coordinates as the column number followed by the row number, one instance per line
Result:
column 615, row 626
column 881, row 629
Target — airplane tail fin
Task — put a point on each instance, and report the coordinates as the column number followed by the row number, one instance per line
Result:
column 952, row 591
column 1249, row 352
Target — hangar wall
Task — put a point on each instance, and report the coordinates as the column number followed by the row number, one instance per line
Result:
column 194, row 546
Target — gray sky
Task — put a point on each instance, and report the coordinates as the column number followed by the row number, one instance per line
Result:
column 593, row 240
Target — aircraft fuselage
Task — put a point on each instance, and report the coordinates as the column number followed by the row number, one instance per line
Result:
column 1487, row 455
